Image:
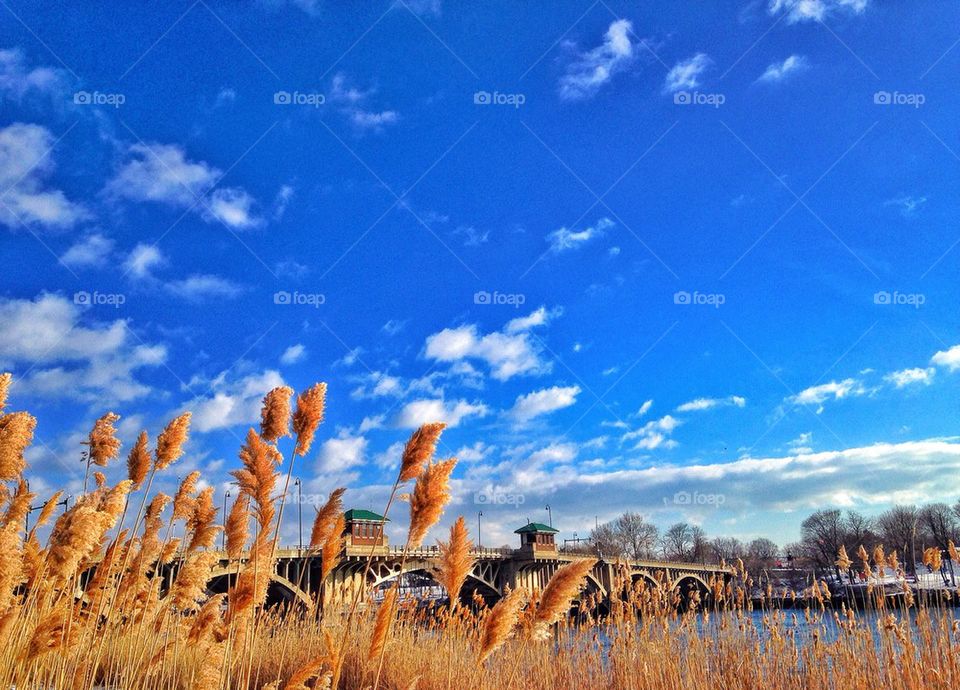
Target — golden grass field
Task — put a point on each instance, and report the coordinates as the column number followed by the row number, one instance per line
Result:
column 66, row 624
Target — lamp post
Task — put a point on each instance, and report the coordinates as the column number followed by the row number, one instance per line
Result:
column 299, row 486
column 549, row 514
column 479, row 540
column 223, row 534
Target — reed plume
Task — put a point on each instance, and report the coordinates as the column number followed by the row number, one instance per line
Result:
column 557, row 596
column 308, row 416
column 275, row 414
column 238, row 526
column 500, row 623
column 456, row 562
column 332, row 547
column 184, row 502
column 103, row 442
column 258, row 477
column 138, row 461
column 16, row 433
column 419, row 450
column 843, row 560
column 171, row 440
column 326, row 518
column 430, row 495
column 6, row 379
column 382, row 625
column 202, row 526
column 189, row 589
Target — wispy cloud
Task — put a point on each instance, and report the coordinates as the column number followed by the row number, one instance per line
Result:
column 701, row 404
column 815, row 10
column 780, row 71
column 564, row 239
column 686, row 73
column 594, row 68
column 907, row 377
column 543, row 402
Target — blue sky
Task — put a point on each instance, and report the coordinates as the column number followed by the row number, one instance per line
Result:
column 693, row 260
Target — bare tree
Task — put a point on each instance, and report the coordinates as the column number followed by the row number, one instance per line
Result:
column 941, row 524
column 677, row 542
column 636, row 536
column 727, row 549
column 898, row 530
column 822, row 534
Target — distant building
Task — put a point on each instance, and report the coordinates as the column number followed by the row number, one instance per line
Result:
column 536, row 537
column 364, row 528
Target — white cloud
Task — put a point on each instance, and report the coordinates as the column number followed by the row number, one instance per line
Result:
column 554, row 453
column 644, row 408
column 507, row 354
column 594, row 68
column 17, row 80
column 908, row 205
column 815, row 10
column 906, row 377
column 142, row 259
column 709, row 403
column 162, row 173
column 378, row 384
column 393, row 326
column 419, row 412
column 339, row 454
column 653, row 434
column 779, row 71
column 70, row 357
column 474, row 453
column 233, row 401
column 200, row 287
column 539, row 317
column 836, row 390
column 426, row 7
column 351, row 99
column 89, row 252
column 948, row 358
column 293, row 354
column 26, row 163
column 564, row 239
column 543, row 402
column 686, row 73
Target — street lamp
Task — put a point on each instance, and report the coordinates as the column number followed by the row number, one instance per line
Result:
column 479, row 541
column 223, row 534
column 549, row 514
column 299, row 486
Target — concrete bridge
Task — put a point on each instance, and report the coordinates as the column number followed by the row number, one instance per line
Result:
column 297, row 573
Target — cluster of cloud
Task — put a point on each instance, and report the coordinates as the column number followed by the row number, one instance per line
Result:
column 779, row 71
column 26, row 165
column 68, row 357
column 815, row 10
column 564, row 239
column 596, row 67
column 351, row 100
column 701, row 404
column 686, row 74
column 508, row 353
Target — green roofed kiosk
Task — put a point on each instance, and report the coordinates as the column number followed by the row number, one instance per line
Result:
column 535, row 537
column 364, row 528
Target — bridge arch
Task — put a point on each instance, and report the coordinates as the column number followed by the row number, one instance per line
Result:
column 280, row 589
